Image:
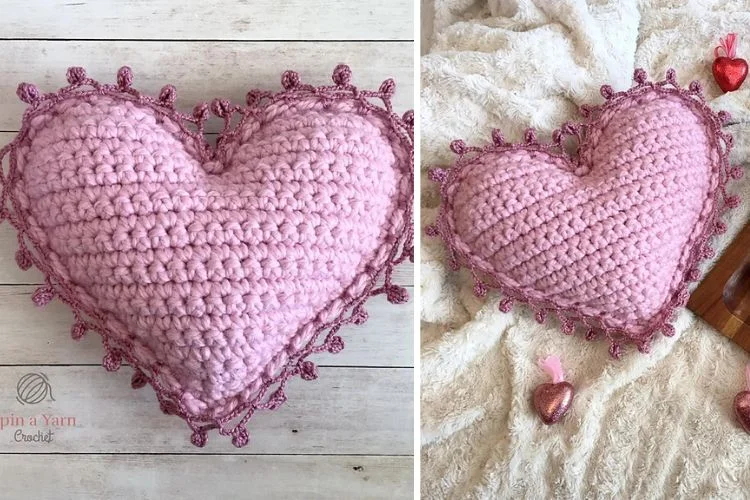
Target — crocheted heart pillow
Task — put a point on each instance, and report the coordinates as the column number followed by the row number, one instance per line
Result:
column 213, row 271
column 607, row 239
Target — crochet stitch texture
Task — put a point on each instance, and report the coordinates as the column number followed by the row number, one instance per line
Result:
column 608, row 239
column 213, row 270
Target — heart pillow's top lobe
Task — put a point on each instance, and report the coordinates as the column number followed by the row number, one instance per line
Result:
column 607, row 239
column 218, row 269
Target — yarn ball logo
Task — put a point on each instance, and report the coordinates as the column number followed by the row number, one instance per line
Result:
column 33, row 388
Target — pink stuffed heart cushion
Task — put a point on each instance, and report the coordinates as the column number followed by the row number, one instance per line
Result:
column 214, row 270
column 607, row 239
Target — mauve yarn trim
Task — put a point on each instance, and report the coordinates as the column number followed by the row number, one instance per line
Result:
column 401, row 246
column 570, row 319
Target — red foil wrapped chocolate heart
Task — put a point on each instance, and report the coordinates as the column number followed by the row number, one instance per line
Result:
column 730, row 71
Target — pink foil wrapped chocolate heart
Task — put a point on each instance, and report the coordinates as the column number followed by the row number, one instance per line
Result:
column 552, row 400
column 215, row 272
column 608, row 239
column 742, row 403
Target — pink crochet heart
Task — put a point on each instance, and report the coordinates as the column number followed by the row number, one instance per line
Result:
column 609, row 238
column 213, row 271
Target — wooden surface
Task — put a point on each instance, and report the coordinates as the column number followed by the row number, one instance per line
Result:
column 200, row 70
column 711, row 299
column 347, row 434
column 208, row 20
column 346, row 411
column 146, row 477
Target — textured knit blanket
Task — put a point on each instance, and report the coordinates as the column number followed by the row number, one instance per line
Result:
column 657, row 425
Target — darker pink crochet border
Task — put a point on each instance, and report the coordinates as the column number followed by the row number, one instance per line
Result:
column 699, row 247
column 271, row 394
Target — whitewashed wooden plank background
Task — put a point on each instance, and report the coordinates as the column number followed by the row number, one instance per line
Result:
column 208, row 20
column 345, row 411
column 200, row 70
column 347, row 434
column 155, row 477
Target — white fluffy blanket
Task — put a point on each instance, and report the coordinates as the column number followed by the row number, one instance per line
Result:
column 647, row 426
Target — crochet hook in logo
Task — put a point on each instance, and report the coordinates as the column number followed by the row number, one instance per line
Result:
column 33, row 388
